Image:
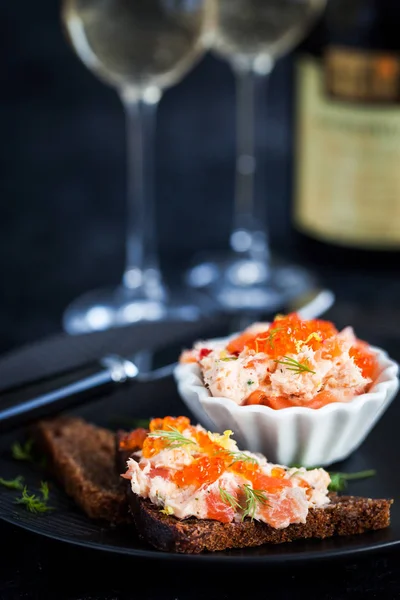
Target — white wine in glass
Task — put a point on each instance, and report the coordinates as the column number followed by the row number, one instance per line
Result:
column 251, row 35
column 140, row 48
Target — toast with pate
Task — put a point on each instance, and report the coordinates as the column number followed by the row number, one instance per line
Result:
column 192, row 491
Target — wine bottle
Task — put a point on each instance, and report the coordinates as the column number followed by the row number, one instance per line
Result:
column 346, row 195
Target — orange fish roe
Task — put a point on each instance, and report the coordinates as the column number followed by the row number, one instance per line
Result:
column 236, row 345
column 215, row 480
column 285, row 336
column 133, row 440
column 210, row 459
column 260, row 481
column 364, row 359
column 204, row 470
column 206, row 443
column 153, row 445
column 179, row 423
column 207, row 469
column 278, row 472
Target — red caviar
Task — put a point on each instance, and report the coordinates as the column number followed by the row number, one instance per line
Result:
column 204, row 470
column 154, row 445
column 284, row 335
column 210, row 460
column 271, row 483
column 133, row 440
column 179, row 423
column 364, row 359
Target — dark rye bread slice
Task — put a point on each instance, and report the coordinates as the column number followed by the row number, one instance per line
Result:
column 82, row 458
column 346, row 515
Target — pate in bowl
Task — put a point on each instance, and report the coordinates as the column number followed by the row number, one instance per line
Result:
column 299, row 391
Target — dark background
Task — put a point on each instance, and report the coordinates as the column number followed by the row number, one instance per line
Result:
column 62, row 231
column 62, row 169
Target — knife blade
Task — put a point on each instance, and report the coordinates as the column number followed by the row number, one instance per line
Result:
column 45, row 397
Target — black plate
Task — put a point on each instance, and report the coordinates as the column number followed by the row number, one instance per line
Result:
column 68, row 524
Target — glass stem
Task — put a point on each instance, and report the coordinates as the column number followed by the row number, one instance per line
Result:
column 248, row 232
column 142, row 273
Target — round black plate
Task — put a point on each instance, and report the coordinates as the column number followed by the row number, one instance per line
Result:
column 68, row 524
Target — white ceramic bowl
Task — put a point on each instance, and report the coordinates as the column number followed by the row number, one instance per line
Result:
column 298, row 435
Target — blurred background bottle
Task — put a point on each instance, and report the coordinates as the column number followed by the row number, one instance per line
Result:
column 346, row 192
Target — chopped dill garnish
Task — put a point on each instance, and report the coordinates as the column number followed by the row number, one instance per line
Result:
column 272, row 333
column 23, row 451
column 13, row 484
column 250, row 382
column 229, row 358
column 227, row 498
column 172, row 437
column 253, row 498
column 33, row 503
column 44, row 490
column 294, row 365
column 339, row 480
column 242, row 457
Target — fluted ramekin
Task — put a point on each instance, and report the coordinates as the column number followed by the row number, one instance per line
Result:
column 295, row 435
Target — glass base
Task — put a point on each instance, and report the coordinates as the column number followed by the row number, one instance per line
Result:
column 104, row 309
column 239, row 283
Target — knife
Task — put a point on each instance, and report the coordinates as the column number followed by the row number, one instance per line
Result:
column 44, row 397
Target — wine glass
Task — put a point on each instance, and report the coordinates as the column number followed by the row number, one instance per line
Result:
column 251, row 35
column 140, row 48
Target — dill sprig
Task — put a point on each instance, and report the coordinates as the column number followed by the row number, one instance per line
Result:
column 172, row 437
column 242, row 457
column 23, row 451
column 293, row 365
column 253, row 498
column 272, row 333
column 33, row 503
column 339, row 480
column 227, row 498
column 44, row 490
column 13, row 484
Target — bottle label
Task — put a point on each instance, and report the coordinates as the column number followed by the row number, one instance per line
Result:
column 362, row 77
column 348, row 149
